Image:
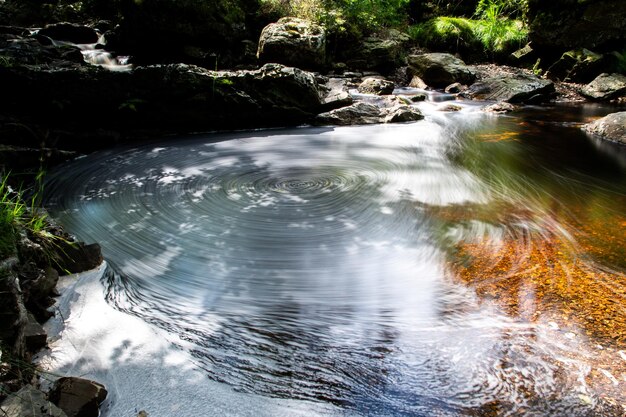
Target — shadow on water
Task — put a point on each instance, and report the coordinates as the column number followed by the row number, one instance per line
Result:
column 466, row 265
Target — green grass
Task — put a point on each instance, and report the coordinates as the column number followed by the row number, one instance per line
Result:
column 492, row 38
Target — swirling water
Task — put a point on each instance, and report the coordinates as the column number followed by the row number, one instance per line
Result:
column 332, row 267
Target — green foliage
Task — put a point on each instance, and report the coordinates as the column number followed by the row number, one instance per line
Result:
column 492, row 31
column 621, row 61
column 338, row 16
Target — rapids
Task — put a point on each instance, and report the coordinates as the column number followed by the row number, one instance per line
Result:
column 468, row 264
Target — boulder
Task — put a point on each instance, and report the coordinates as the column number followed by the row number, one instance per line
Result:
column 512, row 88
column 29, row 402
column 378, row 86
column 356, row 114
column 403, row 114
column 381, row 52
column 440, row 70
column 157, row 99
column 75, row 257
column 572, row 24
column 524, row 57
column 501, row 107
column 13, row 315
column 417, row 82
column 294, row 42
column 78, row 397
column 611, row 127
column 417, row 97
column 70, row 32
column 580, row 66
column 35, row 336
column 605, row 87
column 455, row 88
column 336, row 94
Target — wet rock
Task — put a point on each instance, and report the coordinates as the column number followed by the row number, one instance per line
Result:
column 29, row 402
column 418, row 97
column 512, row 88
column 294, row 42
column 35, row 336
column 439, row 69
column 580, row 66
column 402, row 114
column 376, row 86
column 611, row 127
column 356, row 114
column 13, row 316
column 70, row 32
column 417, row 82
column 605, row 87
column 78, row 397
column 501, row 107
column 336, row 94
column 455, row 88
column 75, row 257
column 450, row 107
column 39, row 285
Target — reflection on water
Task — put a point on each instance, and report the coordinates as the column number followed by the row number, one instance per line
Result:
column 468, row 264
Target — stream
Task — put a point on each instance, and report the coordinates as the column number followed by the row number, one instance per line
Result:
column 469, row 264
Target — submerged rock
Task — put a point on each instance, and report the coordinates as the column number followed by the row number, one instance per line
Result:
column 611, row 127
column 378, row 86
column 512, row 88
column 294, row 42
column 605, row 87
column 78, row 397
column 440, row 70
column 29, row 402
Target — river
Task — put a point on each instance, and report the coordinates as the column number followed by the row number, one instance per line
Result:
column 469, row 264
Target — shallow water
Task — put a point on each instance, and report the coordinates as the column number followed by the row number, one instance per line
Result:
column 467, row 264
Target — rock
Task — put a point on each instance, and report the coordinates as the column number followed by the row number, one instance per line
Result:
column 355, row 114
column 512, row 88
column 75, row 257
column 29, row 402
column 501, row 107
column 455, row 88
column 450, row 107
column 70, row 32
column 35, row 336
column 402, row 114
column 418, row 97
column 524, row 57
column 605, row 87
column 376, row 86
column 611, row 127
column 13, row 316
column 382, row 52
column 156, row 99
column 38, row 285
column 142, row 413
column 417, row 82
column 572, row 24
column 294, row 42
column 78, row 397
column 337, row 94
column 439, row 69
column 580, row 66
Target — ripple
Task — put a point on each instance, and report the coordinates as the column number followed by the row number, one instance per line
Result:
column 303, row 265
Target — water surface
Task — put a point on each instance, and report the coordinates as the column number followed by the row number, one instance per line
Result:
column 468, row 264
